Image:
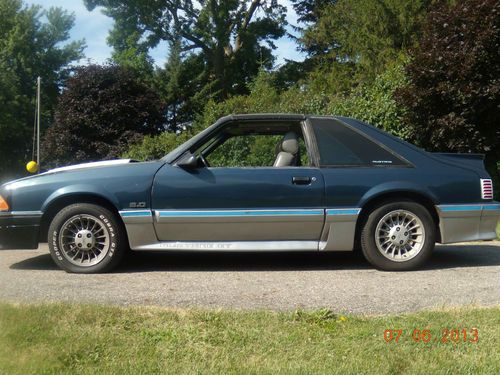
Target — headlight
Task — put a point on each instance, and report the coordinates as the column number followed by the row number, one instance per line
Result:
column 4, row 206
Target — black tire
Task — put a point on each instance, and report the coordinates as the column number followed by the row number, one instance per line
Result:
column 115, row 242
column 369, row 243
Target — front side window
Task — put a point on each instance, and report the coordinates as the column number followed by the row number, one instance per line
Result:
column 245, row 151
column 340, row 145
column 256, row 145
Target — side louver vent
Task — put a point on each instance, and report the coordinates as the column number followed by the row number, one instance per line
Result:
column 486, row 189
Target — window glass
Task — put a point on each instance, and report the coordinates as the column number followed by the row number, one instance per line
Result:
column 341, row 146
column 250, row 150
column 245, row 151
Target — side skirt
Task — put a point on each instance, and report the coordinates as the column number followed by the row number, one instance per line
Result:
column 337, row 235
column 339, row 230
column 232, row 246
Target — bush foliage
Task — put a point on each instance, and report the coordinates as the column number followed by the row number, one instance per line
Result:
column 453, row 96
column 372, row 102
column 103, row 111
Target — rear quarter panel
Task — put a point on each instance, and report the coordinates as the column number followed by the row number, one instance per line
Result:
column 445, row 183
column 354, row 187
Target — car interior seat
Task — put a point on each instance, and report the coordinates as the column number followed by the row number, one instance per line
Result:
column 287, row 151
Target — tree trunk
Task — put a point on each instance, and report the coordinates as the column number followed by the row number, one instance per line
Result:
column 220, row 70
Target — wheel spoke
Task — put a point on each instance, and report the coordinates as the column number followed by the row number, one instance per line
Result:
column 399, row 235
column 84, row 240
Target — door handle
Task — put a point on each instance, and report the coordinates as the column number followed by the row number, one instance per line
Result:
column 302, row 180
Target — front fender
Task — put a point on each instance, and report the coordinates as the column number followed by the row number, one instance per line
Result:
column 83, row 189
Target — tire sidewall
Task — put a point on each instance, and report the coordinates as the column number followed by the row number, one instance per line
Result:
column 369, row 247
column 112, row 226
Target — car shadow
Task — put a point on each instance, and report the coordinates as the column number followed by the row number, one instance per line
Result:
column 42, row 262
column 444, row 257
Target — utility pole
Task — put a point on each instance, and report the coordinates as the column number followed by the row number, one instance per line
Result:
column 38, row 81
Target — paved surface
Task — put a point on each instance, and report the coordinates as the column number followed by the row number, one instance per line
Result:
column 344, row 282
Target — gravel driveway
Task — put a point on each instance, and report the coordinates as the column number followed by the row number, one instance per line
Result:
column 456, row 275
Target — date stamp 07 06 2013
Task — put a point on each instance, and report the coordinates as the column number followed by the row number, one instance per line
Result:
column 456, row 335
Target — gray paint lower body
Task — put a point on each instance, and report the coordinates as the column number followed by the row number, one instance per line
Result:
column 248, row 230
column 468, row 222
column 282, row 230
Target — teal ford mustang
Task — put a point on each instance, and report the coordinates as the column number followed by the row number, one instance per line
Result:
column 266, row 182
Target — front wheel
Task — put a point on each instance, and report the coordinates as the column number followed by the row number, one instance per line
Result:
column 86, row 238
column 398, row 236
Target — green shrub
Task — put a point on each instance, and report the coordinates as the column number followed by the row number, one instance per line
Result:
column 155, row 147
column 372, row 103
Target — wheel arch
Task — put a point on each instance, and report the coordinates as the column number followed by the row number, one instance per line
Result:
column 395, row 195
column 52, row 207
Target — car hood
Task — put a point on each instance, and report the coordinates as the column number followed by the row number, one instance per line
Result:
column 107, row 168
column 89, row 165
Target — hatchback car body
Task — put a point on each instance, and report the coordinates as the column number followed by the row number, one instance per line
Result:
column 262, row 182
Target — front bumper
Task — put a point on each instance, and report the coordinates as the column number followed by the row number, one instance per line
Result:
column 19, row 230
column 468, row 222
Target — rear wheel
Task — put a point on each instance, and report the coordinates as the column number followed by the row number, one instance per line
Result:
column 86, row 238
column 398, row 236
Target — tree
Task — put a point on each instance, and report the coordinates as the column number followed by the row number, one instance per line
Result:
column 178, row 84
column 454, row 92
column 132, row 54
column 32, row 43
column 228, row 35
column 309, row 13
column 374, row 101
column 103, row 110
column 172, row 86
column 352, row 41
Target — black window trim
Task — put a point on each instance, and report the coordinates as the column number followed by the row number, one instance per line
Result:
column 406, row 162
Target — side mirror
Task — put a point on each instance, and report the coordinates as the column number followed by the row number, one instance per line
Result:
column 188, row 161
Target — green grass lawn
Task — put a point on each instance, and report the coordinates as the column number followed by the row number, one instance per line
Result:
column 57, row 338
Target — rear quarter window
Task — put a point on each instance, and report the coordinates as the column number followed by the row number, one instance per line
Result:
column 339, row 145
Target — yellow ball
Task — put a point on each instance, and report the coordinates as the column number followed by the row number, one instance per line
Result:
column 32, row 167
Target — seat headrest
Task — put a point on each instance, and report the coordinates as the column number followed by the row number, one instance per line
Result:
column 290, row 143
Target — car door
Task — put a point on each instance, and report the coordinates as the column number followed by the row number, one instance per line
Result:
column 239, row 204
column 248, row 208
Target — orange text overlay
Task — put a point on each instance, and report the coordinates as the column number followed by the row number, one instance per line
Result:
column 444, row 335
